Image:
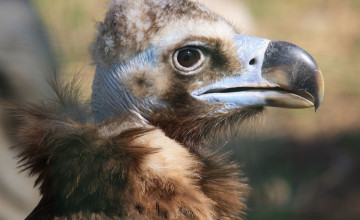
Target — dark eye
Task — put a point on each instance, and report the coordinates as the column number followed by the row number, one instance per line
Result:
column 188, row 59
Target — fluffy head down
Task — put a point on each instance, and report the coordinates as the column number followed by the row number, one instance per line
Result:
column 129, row 29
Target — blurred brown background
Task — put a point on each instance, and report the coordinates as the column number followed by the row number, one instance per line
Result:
column 301, row 164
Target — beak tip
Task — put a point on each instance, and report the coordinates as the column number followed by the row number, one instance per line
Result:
column 321, row 90
column 317, row 105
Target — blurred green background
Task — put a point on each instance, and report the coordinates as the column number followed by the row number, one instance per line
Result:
column 301, row 164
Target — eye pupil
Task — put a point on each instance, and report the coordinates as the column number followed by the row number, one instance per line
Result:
column 188, row 57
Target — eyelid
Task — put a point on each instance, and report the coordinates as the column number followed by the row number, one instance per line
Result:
column 190, row 70
column 194, row 44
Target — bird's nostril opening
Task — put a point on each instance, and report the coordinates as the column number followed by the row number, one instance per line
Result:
column 252, row 61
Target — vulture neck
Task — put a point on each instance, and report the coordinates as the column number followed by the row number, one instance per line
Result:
column 125, row 167
column 198, row 130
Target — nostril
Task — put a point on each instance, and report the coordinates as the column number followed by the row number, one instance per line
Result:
column 252, row 61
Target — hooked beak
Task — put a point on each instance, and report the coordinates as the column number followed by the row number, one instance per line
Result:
column 274, row 73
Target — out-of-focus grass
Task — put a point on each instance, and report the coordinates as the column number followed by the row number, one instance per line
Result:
column 72, row 27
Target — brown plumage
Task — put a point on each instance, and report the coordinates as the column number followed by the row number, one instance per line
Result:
column 110, row 170
column 144, row 149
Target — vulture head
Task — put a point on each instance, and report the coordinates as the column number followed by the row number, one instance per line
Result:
column 191, row 73
column 171, row 77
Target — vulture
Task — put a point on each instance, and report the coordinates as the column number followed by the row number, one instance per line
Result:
column 173, row 80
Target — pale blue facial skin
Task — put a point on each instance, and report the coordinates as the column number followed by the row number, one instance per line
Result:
column 251, row 49
column 251, row 52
